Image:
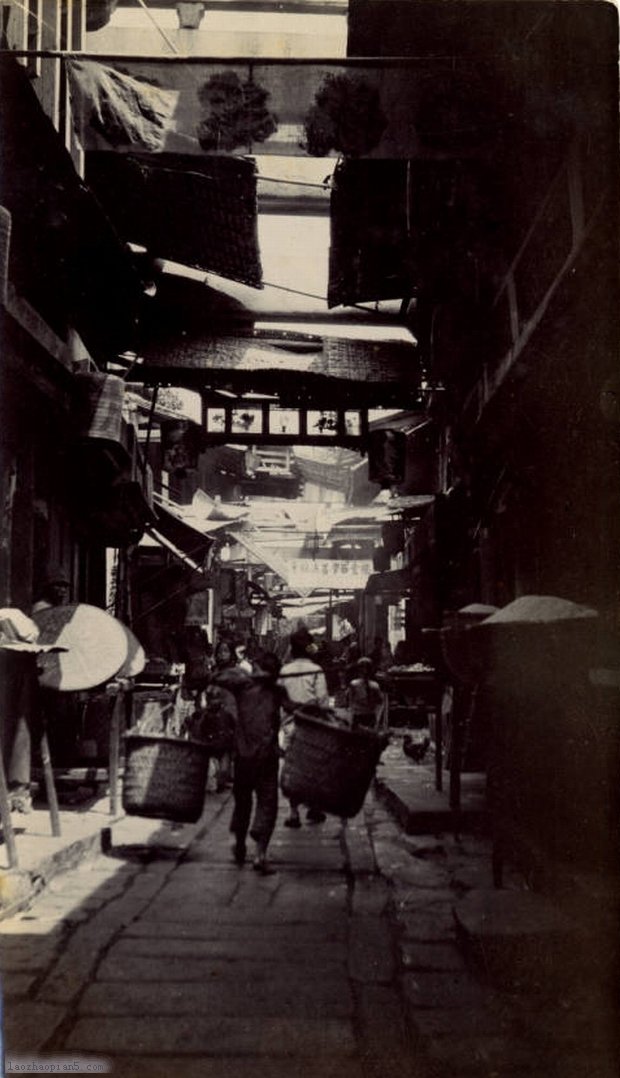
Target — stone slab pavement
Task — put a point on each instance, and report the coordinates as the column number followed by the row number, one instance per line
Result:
column 85, row 831
column 163, row 957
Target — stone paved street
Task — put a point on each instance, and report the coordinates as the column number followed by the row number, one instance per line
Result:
column 344, row 963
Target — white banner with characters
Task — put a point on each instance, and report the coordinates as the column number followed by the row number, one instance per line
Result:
column 311, row 573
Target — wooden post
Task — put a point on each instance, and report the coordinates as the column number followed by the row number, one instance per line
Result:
column 459, row 700
column 115, row 734
column 438, row 750
column 48, row 774
column 5, row 818
column 383, row 723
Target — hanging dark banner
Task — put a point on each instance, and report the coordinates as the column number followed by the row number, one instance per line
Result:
column 386, row 456
column 181, row 444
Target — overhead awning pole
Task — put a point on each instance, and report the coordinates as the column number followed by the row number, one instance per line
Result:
column 277, row 565
column 185, row 558
column 149, row 428
column 161, row 539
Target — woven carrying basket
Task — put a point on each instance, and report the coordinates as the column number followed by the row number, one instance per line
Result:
column 164, row 777
column 330, row 767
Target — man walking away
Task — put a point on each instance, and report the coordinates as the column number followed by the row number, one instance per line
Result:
column 259, row 699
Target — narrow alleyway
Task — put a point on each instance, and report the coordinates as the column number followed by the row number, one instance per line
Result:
column 146, row 955
column 344, row 963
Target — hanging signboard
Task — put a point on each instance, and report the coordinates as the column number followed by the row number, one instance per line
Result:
column 323, row 573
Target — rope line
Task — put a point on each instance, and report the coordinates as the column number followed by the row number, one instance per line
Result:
column 171, row 45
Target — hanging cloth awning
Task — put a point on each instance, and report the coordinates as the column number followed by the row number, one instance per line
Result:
column 160, row 538
column 262, row 556
column 395, row 583
column 187, row 542
column 371, row 255
column 204, row 516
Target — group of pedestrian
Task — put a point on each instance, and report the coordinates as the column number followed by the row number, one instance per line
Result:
column 239, row 700
column 245, row 712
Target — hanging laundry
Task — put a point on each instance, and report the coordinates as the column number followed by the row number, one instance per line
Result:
column 112, row 110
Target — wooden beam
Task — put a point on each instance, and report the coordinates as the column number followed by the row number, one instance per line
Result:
column 29, row 359
column 350, row 441
column 29, row 319
column 349, row 63
column 293, row 204
column 289, row 7
column 292, row 389
column 355, row 315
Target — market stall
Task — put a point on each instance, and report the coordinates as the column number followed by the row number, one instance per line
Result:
column 414, row 694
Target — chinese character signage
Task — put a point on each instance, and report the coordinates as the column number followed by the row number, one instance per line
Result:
column 339, row 574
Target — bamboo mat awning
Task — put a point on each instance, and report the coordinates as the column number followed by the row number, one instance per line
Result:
column 200, row 211
column 363, row 373
column 371, row 255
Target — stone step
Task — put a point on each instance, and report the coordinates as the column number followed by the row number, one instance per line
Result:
column 410, row 793
column 516, row 937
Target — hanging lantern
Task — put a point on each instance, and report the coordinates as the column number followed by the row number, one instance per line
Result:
column 181, row 445
column 386, row 457
column 393, row 533
column 380, row 559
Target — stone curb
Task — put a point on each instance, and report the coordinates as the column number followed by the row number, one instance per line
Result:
column 427, row 821
column 18, row 887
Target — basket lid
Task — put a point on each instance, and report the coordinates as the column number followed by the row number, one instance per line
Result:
column 540, row 611
column 136, row 659
column 97, row 646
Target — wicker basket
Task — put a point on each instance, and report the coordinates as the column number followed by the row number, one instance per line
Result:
column 165, row 777
column 330, row 767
